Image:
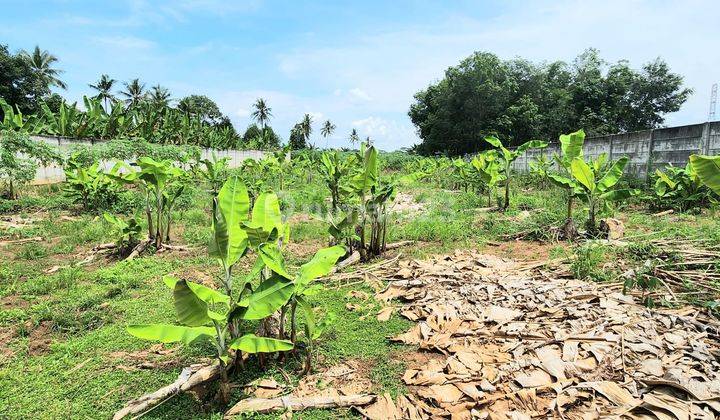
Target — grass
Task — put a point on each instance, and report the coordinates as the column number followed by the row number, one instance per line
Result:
column 82, row 311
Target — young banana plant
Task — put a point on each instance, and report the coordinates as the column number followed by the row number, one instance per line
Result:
column 487, row 169
column 161, row 182
column 597, row 184
column 571, row 147
column 507, row 157
column 334, row 169
column 126, row 232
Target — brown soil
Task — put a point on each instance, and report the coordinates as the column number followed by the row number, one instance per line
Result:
column 40, row 339
column 13, row 302
column 6, row 335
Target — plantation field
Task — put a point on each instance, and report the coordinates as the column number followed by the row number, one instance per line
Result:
column 65, row 304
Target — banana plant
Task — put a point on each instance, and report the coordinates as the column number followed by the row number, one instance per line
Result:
column 162, row 183
column 509, row 156
column 571, row 147
column 708, row 170
column 681, row 188
column 540, row 168
column 487, row 168
column 213, row 171
column 125, row 232
column 88, row 186
column 597, row 184
column 13, row 119
column 207, row 314
column 334, row 170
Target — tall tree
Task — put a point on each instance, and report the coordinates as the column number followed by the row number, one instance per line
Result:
column 262, row 112
column 297, row 138
column 20, row 85
column 327, row 129
column 104, row 87
column 159, row 96
column 517, row 100
column 306, row 128
column 42, row 62
column 354, row 137
column 202, row 107
column 134, row 92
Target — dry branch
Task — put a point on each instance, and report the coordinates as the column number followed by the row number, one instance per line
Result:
column 268, row 405
column 190, row 377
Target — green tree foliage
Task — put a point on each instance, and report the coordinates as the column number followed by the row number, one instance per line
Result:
column 104, row 88
column 297, row 139
column 517, row 99
column 202, row 107
column 19, row 159
column 20, row 85
column 134, row 92
column 42, row 63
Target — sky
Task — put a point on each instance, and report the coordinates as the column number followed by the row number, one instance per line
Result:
column 356, row 63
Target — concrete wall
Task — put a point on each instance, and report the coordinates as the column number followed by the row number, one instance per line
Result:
column 647, row 150
column 53, row 173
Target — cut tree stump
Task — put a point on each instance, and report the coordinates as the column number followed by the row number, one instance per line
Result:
column 289, row 402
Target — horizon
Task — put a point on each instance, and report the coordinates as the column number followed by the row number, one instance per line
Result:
column 357, row 65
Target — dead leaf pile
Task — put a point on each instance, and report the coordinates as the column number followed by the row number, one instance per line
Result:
column 518, row 342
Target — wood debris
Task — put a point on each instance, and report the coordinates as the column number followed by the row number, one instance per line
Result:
column 521, row 343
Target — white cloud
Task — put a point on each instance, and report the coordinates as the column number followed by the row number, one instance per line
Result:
column 360, row 94
column 316, row 116
column 398, row 63
column 125, row 42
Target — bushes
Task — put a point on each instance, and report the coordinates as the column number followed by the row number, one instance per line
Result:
column 129, row 149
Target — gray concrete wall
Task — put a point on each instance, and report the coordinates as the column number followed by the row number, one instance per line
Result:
column 54, row 174
column 647, row 149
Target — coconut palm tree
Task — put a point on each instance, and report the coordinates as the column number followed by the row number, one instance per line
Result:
column 159, row 96
column 306, row 128
column 104, row 88
column 262, row 113
column 42, row 62
column 354, row 138
column 134, row 92
column 327, row 129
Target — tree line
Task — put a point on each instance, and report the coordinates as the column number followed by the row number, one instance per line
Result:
column 130, row 109
column 517, row 100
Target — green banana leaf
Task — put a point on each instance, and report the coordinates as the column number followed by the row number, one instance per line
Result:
column 320, row 265
column 270, row 296
column 368, row 177
column 250, row 343
column 532, row 144
column 170, row 333
column 583, row 173
column 572, row 145
column 190, row 309
column 273, row 258
column 234, row 204
column 613, row 175
column 266, row 212
column 708, row 170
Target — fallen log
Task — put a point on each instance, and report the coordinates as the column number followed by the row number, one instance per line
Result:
column 139, row 248
column 189, row 378
column 110, row 245
column 664, row 213
column 396, row 245
column 268, row 405
column 22, row 241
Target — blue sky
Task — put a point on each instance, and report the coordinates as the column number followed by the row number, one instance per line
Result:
column 356, row 63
